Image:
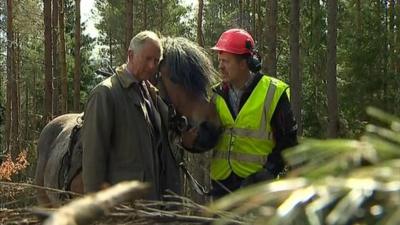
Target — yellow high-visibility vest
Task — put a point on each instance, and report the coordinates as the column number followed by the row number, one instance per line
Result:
column 246, row 141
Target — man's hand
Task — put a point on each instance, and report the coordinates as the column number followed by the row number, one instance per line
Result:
column 259, row 176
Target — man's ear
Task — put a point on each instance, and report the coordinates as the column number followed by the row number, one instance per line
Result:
column 130, row 54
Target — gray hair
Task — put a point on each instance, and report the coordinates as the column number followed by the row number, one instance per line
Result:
column 138, row 41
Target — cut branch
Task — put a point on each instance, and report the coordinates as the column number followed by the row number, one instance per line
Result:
column 86, row 209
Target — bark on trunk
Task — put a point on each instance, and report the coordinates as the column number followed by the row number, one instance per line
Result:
column 55, row 71
column 48, row 62
column 271, row 37
column 128, row 24
column 77, row 69
column 295, row 80
column 63, row 63
column 333, row 118
column 200, row 38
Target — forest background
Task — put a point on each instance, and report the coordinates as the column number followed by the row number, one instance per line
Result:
column 338, row 56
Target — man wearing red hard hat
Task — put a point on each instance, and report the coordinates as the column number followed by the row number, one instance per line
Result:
column 255, row 112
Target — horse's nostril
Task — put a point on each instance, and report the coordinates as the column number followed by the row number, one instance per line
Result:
column 208, row 136
column 179, row 123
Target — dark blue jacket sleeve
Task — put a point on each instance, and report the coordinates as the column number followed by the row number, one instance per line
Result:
column 284, row 128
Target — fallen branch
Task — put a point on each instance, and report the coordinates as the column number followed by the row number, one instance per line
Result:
column 86, row 209
column 171, row 217
column 38, row 187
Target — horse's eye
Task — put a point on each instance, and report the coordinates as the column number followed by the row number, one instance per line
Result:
column 158, row 77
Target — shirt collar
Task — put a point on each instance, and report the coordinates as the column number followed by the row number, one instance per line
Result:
column 125, row 76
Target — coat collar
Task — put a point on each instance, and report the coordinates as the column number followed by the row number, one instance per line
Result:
column 125, row 77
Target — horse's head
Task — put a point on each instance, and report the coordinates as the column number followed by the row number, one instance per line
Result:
column 186, row 74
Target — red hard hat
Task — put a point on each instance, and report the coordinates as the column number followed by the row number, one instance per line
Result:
column 236, row 41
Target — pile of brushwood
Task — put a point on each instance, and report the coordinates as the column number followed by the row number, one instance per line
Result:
column 330, row 182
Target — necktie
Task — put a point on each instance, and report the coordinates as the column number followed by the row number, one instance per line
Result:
column 150, row 114
column 149, row 106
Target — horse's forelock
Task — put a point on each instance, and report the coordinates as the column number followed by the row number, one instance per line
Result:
column 189, row 64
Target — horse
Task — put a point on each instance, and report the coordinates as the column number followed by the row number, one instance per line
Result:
column 184, row 81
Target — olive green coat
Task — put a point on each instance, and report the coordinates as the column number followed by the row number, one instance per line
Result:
column 119, row 143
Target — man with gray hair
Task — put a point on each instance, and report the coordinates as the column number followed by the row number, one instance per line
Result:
column 122, row 134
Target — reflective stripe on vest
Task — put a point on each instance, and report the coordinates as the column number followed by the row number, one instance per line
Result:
column 239, row 156
column 242, row 149
column 261, row 133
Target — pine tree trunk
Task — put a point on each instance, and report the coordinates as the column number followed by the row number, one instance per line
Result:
column 253, row 19
column 392, row 36
column 10, row 72
column 77, row 69
column 26, row 134
column 145, row 14
column 10, row 77
column 271, row 37
column 295, row 80
column 110, row 46
column 259, row 26
column 200, row 37
column 397, row 38
column 386, row 57
column 161, row 15
column 241, row 13
column 35, row 119
column 47, row 62
column 63, row 63
column 55, row 72
column 128, row 24
column 358, row 22
column 333, row 117
column 15, row 94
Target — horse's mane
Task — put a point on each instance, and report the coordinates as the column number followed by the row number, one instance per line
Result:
column 189, row 64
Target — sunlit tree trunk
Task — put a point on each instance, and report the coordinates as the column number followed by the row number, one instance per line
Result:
column 27, row 121
column 55, row 71
column 48, row 62
column 241, row 14
column 392, row 35
column 63, row 63
column 397, row 38
column 77, row 68
column 333, row 117
column 260, row 24
column 145, row 14
column 15, row 117
column 253, row 18
column 358, row 22
column 200, row 37
column 295, row 80
column 11, row 112
column 128, row 24
column 271, row 37
column 161, row 2
column 35, row 121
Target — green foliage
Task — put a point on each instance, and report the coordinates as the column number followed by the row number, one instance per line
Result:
column 219, row 16
column 363, row 62
column 88, row 64
column 175, row 21
column 313, row 43
column 28, row 28
column 331, row 182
